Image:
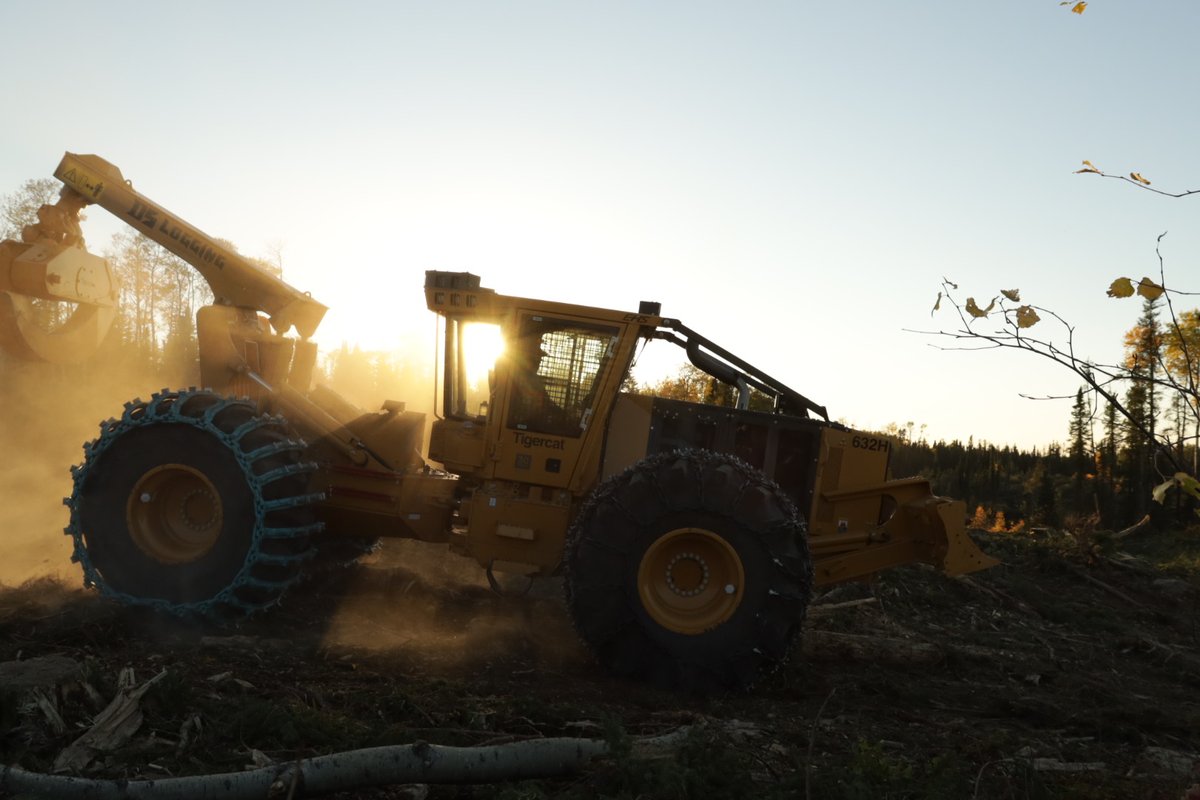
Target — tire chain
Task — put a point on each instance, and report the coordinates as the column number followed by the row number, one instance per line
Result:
column 166, row 407
column 798, row 566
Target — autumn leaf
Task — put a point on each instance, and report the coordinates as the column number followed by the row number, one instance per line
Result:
column 936, row 305
column 1079, row 8
column 1027, row 317
column 1180, row 479
column 1121, row 287
column 1012, row 294
column 1188, row 484
column 1088, row 167
column 976, row 311
column 1149, row 289
column 1137, row 176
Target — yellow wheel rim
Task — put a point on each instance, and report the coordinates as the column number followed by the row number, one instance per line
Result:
column 691, row 580
column 174, row 514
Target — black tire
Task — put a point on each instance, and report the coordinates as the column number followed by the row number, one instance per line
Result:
column 193, row 503
column 689, row 570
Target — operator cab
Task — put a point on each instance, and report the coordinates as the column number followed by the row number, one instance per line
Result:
column 528, row 418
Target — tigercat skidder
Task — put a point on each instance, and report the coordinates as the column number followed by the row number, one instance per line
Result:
column 689, row 536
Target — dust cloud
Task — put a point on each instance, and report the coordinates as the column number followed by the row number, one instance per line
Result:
column 49, row 412
column 423, row 600
column 409, row 596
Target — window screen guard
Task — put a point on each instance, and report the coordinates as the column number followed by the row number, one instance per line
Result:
column 556, row 368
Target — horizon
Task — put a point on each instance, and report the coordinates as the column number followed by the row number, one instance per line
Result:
column 792, row 181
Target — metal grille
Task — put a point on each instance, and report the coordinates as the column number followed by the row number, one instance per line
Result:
column 557, row 372
column 569, row 368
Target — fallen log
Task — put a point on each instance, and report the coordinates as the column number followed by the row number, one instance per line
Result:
column 1141, row 525
column 419, row 762
column 1004, row 597
column 1115, row 592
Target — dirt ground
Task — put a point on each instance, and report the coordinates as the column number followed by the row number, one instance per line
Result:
column 1071, row 671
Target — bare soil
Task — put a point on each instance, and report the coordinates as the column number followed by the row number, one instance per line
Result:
column 1070, row 671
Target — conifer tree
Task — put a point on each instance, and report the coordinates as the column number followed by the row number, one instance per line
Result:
column 1182, row 350
column 1143, row 360
column 1080, row 456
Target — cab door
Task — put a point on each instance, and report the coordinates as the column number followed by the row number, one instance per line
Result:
column 551, row 379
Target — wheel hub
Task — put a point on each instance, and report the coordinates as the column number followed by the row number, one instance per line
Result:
column 687, row 574
column 690, row 580
column 174, row 514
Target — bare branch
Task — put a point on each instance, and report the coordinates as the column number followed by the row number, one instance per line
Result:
column 1140, row 184
column 1100, row 378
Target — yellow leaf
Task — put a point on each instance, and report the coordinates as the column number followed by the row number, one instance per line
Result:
column 1079, row 8
column 1012, row 294
column 1121, row 287
column 937, row 305
column 1088, row 167
column 1137, row 176
column 1188, row 484
column 1027, row 317
column 1149, row 289
column 1180, row 479
column 976, row 311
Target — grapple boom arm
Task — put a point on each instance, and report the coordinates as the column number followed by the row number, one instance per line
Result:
column 235, row 280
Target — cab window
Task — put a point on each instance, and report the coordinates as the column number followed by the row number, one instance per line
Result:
column 556, row 367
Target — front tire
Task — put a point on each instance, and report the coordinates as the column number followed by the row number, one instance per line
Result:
column 689, row 570
column 193, row 503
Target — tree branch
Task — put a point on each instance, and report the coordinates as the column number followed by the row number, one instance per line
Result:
column 1098, row 377
column 1140, row 184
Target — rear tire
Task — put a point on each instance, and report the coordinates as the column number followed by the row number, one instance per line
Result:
column 689, row 570
column 193, row 503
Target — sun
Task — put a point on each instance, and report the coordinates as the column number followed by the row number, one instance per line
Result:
column 483, row 343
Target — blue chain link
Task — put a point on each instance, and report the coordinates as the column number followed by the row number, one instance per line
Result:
column 162, row 409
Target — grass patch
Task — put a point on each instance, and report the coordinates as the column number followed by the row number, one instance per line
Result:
column 1174, row 551
column 280, row 725
column 873, row 773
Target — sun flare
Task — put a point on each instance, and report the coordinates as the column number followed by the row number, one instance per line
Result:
column 482, row 344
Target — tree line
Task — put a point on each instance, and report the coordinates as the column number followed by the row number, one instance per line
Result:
column 1104, row 474
column 1121, row 442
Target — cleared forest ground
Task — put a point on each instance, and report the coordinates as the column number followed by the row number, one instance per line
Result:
column 1070, row 671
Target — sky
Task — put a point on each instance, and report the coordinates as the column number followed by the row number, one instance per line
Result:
column 791, row 179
